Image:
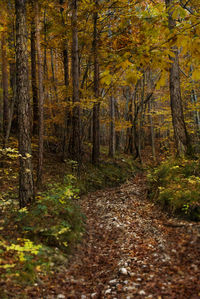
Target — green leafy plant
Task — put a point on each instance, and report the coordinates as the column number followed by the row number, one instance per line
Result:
column 53, row 222
column 175, row 184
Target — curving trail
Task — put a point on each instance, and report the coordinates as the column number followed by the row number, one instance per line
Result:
column 131, row 250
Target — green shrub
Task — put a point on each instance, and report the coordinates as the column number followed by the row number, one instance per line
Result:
column 53, row 223
column 175, row 184
column 54, row 219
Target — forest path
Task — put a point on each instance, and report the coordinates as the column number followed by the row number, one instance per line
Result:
column 131, row 250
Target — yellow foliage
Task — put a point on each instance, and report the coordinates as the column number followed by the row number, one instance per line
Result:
column 196, row 74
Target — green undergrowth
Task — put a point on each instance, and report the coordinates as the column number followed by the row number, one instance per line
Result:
column 175, row 185
column 39, row 238
column 109, row 173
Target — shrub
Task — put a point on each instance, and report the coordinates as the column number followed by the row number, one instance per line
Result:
column 53, row 223
column 175, row 184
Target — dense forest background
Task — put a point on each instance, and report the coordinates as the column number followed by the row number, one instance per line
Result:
column 92, row 93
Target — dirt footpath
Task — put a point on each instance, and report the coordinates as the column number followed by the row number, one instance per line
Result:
column 131, row 250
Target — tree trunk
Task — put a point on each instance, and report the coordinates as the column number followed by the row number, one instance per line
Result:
column 141, row 118
column 129, row 131
column 41, row 98
column 67, row 119
column 26, row 190
column 12, row 101
column 5, row 84
column 53, row 75
column 34, row 74
column 75, row 141
column 194, row 101
column 112, row 128
column 12, row 70
column 180, row 132
column 96, row 108
column 152, row 132
column 117, row 133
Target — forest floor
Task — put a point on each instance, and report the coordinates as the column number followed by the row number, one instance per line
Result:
column 131, row 249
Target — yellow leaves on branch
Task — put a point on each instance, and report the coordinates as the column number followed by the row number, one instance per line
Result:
column 196, row 74
column 162, row 81
column 132, row 76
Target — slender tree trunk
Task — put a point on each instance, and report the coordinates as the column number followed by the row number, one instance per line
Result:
column 180, row 132
column 12, row 70
column 47, row 94
column 34, row 74
column 141, row 119
column 67, row 119
column 194, row 101
column 5, row 84
column 195, row 112
column 53, row 75
column 112, row 128
column 26, row 190
column 41, row 98
column 45, row 67
column 75, row 141
column 152, row 132
column 96, row 108
column 12, row 101
column 129, row 131
column 117, row 133
column 135, row 123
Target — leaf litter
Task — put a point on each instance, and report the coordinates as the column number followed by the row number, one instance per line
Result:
column 131, row 249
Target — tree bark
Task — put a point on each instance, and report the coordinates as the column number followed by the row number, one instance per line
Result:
column 152, row 132
column 180, row 133
column 34, row 74
column 41, row 98
column 26, row 190
column 112, row 128
column 117, row 133
column 67, row 119
column 5, row 84
column 194, row 101
column 141, row 118
column 12, row 71
column 129, row 131
column 96, row 108
column 75, row 141
column 53, row 74
column 12, row 100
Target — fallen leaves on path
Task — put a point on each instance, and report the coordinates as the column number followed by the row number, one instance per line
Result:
column 131, row 250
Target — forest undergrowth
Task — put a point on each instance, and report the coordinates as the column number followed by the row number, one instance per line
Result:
column 36, row 239
column 130, row 249
column 50, row 238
